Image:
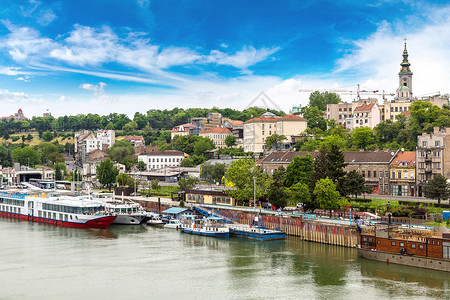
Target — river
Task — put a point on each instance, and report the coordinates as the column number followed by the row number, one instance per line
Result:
column 41, row 261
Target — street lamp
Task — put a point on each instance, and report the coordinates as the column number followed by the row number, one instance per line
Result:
column 254, row 192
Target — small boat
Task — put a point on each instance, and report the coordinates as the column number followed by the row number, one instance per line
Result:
column 173, row 223
column 154, row 220
column 128, row 212
column 211, row 226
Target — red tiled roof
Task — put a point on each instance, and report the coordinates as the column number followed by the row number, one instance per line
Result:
column 292, row 118
column 217, row 130
column 236, row 122
column 408, row 157
column 365, row 107
column 406, row 113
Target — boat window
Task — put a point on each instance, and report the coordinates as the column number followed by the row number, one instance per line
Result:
column 393, row 243
column 370, row 239
column 413, row 246
column 402, row 244
column 378, row 242
column 420, row 246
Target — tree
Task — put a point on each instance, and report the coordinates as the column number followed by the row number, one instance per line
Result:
column 320, row 100
column 5, row 156
column 279, row 175
column 155, row 184
column 26, row 156
column 277, row 196
column 299, row 170
column 218, row 172
column 315, row 118
column 130, row 126
column 107, row 173
column 187, row 183
column 60, row 171
column 299, row 193
column 141, row 166
column 124, row 180
column 121, row 152
column 336, row 165
column 362, row 137
column 230, row 141
column 327, row 195
column 202, row 145
column 437, row 188
column 47, row 136
column 354, row 184
column 274, row 140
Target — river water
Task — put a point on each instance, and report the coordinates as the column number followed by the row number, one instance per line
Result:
column 41, row 261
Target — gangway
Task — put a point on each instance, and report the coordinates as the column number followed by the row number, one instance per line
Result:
column 208, row 213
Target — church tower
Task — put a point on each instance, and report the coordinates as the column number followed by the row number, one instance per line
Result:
column 404, row 90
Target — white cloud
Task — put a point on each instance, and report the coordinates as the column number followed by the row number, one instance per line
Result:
column 26, row 78
column 243, row 58
column 97, row 89
column 15, row 97
column 46, row 16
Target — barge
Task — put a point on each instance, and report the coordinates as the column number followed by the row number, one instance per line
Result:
column 422, row 248
column 258, row 233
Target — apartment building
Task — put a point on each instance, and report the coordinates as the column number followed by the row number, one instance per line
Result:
column 217, row 135
column 161, row 159
column 403, row 174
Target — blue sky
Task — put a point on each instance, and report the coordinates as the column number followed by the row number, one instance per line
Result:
column 134, row 55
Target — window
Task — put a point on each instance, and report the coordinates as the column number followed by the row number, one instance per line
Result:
column 368, row 173
column 405, row 174
column 370, row 239
column 364, row 239
column 437, row 143
column 411, row 174
column 420, row 246
column 424, row 143
column 396, row 109
column 399, row 174
column 402, row 244
column 375, row 174
column 421, row 165
column 366, row 121
column 393, row 243
column 413, row 246
column 263, row 132
column 363, row 173
column 386, row 174
column 340, row 117
column 392, row 109
column 378, row 242
column 400, row 109
column 393, row 174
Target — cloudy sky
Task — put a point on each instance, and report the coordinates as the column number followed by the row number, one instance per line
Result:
column 134, row 55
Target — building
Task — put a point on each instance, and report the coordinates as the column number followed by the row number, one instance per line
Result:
column 135, row 140
column 256, row 130
column 184, row 129
column 18, row 116
column 403, row 174
column 107, row 137
column 90, row 164
column 366, row 115
column 432, row 156
column 209, row 197
column 374, row 166
column 161, row 159
column 339, row 112
column 217, row 135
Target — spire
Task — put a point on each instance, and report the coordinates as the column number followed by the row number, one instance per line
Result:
column 405, row 63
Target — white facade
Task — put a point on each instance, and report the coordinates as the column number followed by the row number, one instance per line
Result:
column 107, row 137
column 161, row 159
column 90, row 145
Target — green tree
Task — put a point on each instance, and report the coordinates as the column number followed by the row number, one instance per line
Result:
column 327, row 195
column 230, row 141
column 202, row 145
column 354, row 184
column 274, row 140
column 299, row 193
column 5, row 156
column 362, row 137
column 47, row 136
column 141, row 166
column 314, row 117
column 218, row 172
column 107, row 173
column 277, row 196
column 279, row 175
column 299, row 170
column 336, row 165
column 124, row 180
column 130, row 126
column 187, row 183
column 26, row 156
column 60, row 171
column 320, row 100
column 437, row 188
column 155, row 184
column 121, row 152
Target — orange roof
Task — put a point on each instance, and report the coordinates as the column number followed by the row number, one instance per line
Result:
column 133, row 137
column 405, row 159
column 216, row 130
column 236, row 122
column 365, row 107
column 292, row 118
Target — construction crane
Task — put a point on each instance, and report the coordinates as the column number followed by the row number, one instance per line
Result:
column 358, row 92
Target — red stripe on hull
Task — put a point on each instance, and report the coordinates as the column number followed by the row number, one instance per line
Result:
column 101, row 223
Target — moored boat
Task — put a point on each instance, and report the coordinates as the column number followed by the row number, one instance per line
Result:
column 211, row 226
column 173, row 224
column 55, row 209
column 155, row 220
column 128, row 212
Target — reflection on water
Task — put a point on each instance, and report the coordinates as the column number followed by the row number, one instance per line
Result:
column 140, row 261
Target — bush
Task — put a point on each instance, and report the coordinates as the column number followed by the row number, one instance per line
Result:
column 181, row 203
column 15, row 138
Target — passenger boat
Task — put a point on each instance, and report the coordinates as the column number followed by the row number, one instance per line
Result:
column 55, row 209
column 397, row 244
column 128, row 212
column 211, row 226
column 155, row 220
column 173, row 223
